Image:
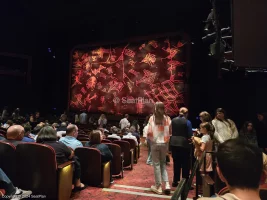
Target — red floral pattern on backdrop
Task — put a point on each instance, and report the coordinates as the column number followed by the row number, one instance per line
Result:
column 129, row 78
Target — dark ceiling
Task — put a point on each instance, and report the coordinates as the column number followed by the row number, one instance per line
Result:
column 29, row 24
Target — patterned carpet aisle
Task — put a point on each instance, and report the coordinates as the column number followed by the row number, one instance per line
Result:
column 134, row 186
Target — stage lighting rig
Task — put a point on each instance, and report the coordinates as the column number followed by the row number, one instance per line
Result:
column 213, row 35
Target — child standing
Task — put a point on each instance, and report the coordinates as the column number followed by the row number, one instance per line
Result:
column 204, row 144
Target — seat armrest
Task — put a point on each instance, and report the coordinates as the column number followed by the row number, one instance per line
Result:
column 64, row 164
column 106, row 174
column 122, row 154
column 65, row 175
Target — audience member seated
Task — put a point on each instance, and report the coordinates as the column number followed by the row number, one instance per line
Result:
column 135, row 124
column 55, row 126
column 95, row 142
column 28, row 137
column 134, row 133
column 62, row 129
column 11, row 191
column 38, row 118
column 264, row 157
column 2, row 138
column 114, row 131
column 14, row 134
column 48, row 136
column 130, row 136
column 70, row 138
column 239, row 165
column 7, row 124
column 248, row 133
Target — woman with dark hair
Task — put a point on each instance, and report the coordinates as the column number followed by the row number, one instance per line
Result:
column 225, row 128
column 159, row 135
column 248, row 133
column 48, row 136
column 135, row 124
column 95, row 142
column 262, row 131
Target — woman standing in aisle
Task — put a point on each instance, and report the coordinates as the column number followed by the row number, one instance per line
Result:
column 159, row 135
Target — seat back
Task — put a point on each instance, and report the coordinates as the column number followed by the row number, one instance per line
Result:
column 91, row 166
column 37, row 169
column 106, row 141
column 3, row 132
column 8, row 160
column 116, row 161
column 125, row 148
column 83, row 138
column 112, row 139
column 131, row 141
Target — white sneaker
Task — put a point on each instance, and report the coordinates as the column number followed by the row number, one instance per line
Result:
column 21, row 194
column 167, row 186
column 155, row 189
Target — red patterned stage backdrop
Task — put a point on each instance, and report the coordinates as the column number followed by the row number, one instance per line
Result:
column 129, row 78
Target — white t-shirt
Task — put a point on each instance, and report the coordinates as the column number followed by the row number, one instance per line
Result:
column 160, row 132
column 124, row 123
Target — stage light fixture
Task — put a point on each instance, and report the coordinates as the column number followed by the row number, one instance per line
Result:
column 209, row 22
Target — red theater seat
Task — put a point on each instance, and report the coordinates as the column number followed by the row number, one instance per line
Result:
column 38, row 171
column 127, row 153
column 8, row 160
column 134, row 147
column 83, row 138
column 117, row 161
column 94, row 172
column 3, row 132
column 2, row 193
column 106, row 141
column 112, row 139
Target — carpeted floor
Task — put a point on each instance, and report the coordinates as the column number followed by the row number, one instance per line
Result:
column 135, row 184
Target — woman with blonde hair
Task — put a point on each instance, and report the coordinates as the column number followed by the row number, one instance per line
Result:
column 159, row 135
column 102, row 121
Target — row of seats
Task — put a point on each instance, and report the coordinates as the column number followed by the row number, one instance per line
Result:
column 29, row 162
column 33, row 166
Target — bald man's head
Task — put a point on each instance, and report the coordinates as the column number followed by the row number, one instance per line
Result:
column 15, row 132
column 72, row 130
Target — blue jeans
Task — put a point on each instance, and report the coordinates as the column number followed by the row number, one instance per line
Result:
column 159, row 152
column 149, row 158
column 6, row 184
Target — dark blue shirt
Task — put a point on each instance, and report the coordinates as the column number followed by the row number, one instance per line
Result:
column 106, row 154
column 27, row 139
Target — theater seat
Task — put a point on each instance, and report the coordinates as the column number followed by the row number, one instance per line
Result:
column 94, row 172
column 8, row 160
column 83, row 138
column 128, row 153
column 112, row 139
column 134, row 147
column 38, row 171
column 2, row 192
column 106, row 141
column 117, row 161
column 3, row 133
